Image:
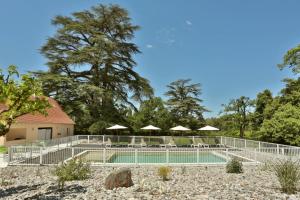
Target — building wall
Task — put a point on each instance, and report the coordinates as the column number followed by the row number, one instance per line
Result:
column 29, row 132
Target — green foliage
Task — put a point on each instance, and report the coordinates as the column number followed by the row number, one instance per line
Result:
column 234, row 166
column 153, row 112
column 283, row 127
column 263, row 99
column 184, row 103
column 91, row 67
column 182, row 141
column 291, row 92
column 164, row 172
column 97, row 127
column 292, row 60
column 3, row 149
column 74, row 169
column 239, row 109
column 271, row 108
column 19, row 97
column 288, row 174
column 5, row 182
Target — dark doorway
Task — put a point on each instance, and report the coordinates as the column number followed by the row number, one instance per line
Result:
column 44, row 133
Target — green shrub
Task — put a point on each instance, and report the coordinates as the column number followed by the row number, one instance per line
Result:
column 234, row 166
column 5, row 182
column 266, row 166
column 74, row 169
column 182, row 141
column 164, row 172
column 288, row 174
column 183, row 170
column 3, row 149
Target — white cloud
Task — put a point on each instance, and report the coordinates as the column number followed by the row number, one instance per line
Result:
column 166, row 35
column 170, row 41
column 188, row 22
column 149, row 46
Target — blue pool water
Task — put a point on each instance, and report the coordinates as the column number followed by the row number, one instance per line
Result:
column 174, row 157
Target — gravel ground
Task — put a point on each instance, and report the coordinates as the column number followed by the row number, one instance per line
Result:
column 186, row 183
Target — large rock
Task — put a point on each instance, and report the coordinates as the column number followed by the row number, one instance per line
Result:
column 120, row 178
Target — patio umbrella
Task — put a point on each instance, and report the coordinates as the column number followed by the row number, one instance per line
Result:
column 117, row 127
column 151, row 128
column 208, row 128
column 179, row 128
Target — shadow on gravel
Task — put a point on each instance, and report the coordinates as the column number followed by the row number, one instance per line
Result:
column 54, row 193
column 19, row 189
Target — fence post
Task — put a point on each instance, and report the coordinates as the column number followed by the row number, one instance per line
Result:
column 245, row 143
column 259, row 146
column 193, row 139
column 255, row 156
column 72, row 152
column 278, row 149
column 88, row 139
column 282, row 151
column 41, row 156
column 197, row 155
column 221, row 140
column 133, row 138
column 10, row 156
column 136, row 156
column 104, row 156
column 233, row 142
column 167, row 155
column 103, row 139
column 227, row 153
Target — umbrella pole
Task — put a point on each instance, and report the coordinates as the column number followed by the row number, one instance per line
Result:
column 118, row 138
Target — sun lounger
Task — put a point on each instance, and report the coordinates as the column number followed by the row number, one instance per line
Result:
column 170, row 144
column 199, row 144
column 132, row 143
column 143, row 143
column 221, row 145
column 108, row 143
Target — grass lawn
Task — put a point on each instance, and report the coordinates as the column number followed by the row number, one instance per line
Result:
column 3, row 149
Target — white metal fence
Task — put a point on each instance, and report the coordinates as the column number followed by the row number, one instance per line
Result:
column 130, row 156
column 116, row 150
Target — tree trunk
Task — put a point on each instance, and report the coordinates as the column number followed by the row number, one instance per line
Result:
column 242, row 131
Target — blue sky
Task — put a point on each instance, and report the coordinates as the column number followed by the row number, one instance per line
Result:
column 231, row 47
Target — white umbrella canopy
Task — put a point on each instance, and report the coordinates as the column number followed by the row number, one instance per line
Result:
column 150, row 127
column 208, row 128
column 179, row 128
column 116, row 127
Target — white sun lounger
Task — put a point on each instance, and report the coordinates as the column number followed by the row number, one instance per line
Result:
column 200, row 145
column 132, row 143
column 170, row 144
column 108, row 143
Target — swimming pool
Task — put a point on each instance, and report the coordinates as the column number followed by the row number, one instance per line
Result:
column 206, row 157
column 154, row 157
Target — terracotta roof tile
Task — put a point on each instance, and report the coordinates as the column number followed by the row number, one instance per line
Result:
column 55, row 115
